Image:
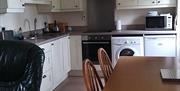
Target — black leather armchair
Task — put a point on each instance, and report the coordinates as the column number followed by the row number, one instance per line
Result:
column 21, row 66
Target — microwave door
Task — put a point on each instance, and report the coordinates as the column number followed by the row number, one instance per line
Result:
column 155, row 22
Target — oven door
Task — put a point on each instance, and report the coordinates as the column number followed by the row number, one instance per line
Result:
column 90, row 49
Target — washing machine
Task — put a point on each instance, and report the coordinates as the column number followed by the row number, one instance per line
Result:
column 126, row 46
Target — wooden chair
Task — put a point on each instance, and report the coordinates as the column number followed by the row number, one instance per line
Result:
column 105, row 63
column 91, row 78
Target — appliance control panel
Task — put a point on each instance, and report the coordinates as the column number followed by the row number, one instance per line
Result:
column 96, row 37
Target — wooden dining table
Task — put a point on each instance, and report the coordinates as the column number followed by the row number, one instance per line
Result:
column 142, row 74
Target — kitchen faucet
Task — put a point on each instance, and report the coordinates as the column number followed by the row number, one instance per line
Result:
column 35, row 27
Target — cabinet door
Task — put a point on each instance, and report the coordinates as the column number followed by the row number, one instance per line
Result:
column 15, row 4
column 160, row 46
column 55, row 4
column 68, row 4
column 48, row 57
column 126, row 3
column 76, row 52
column 46, row 84
column 71, row 5
column 66, row 54
column 57, row 59
column 166, row 2
column 147, row 2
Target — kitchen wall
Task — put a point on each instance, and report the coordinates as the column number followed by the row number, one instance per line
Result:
column 15, row 20
column 137, row 16
column 12, row 21
column 72, row 18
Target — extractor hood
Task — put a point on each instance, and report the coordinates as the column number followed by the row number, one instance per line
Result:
column 100, row 15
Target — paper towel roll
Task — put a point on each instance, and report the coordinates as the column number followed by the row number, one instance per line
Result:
column 118, row 25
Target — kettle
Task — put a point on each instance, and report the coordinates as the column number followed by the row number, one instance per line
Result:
column 55, row 27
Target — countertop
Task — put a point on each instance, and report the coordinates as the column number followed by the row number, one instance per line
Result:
column 132, row 32
column 45, row 38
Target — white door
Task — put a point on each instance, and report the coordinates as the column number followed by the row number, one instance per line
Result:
column 76, row 52
column 57, row 60
column 160, row 45
column 126, row 3
column 147, row 2
column 56, row 4
column 16, row 4
column 166, row 2
column 46, row 84
column 66, row 54
column 68, row 4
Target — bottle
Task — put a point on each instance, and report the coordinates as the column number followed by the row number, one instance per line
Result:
column 55, row 28
column 46, row 29
column 19, row 34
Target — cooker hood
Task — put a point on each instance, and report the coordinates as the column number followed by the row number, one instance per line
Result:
column 100, row 15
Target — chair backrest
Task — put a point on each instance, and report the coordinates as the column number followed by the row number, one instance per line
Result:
column 105, row 63
column 21, row 66
column 91, row 77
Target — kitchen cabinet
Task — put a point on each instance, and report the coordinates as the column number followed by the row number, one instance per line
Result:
column 62, row 6
column 36, row 1
column 66, row 54
column 11, row 6
column 138, row 4
column 71, row 5
column 47, row 81
column 126, row 3
column 57, row 63
column 76, row 52
column 57, row 60
column 160, row 45
column 157, row 3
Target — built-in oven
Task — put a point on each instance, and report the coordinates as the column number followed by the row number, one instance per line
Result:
column 91, row 44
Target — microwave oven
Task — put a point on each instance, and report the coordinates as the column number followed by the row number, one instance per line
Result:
column 158, row 22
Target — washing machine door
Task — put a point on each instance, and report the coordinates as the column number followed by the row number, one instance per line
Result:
column 127, row 51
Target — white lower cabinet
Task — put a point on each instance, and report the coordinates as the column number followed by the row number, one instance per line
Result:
column 160, row 45
column 57, row 63
column 47, row 81
column 76, row 52
column 66, row 54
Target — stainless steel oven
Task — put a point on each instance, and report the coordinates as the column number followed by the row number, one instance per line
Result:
column 91, row 44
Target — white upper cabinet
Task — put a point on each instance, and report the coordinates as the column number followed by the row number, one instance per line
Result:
column 147, row 2
column 158, row 3
column 166, row 2
column 126, row 3
column 11, row 6
column 62, row 6
column 55, row 4
column 72, row 5
column 135, row 4
column 37, row 1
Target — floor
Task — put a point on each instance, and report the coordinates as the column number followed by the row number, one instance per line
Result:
column 72, row 84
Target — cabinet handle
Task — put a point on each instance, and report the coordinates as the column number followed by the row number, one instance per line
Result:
column 53, row 6
column 44, row 76
column 43, row 49
column 153, row 2
column 76, row 6
column 119, row 3
column 52, row 44
column 159, row 1
column 23, row 5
